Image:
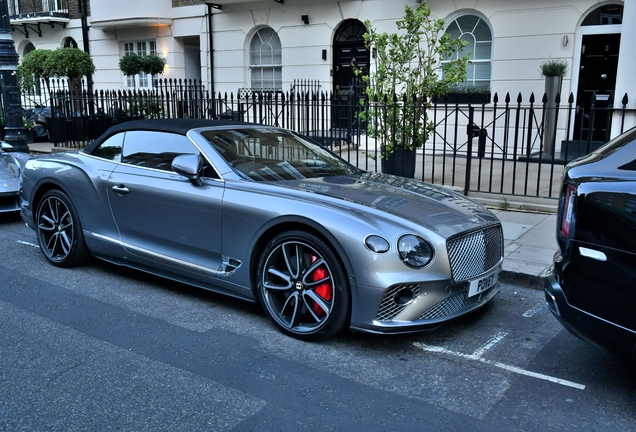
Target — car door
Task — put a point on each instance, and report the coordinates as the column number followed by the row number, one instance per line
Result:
column 163, row 219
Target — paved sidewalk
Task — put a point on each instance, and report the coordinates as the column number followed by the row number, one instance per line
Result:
column 529, row 236
column 530, row 243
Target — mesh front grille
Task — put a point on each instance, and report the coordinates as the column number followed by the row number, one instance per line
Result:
column 475, row 253
column 388, row 308
column 452, row 305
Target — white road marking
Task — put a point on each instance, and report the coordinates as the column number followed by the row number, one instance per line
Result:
column 530, row 312
column 491, row 343
column 27, row 243
column 478, row 356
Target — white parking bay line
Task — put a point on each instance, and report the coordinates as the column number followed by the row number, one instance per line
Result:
column 478, row 356
column 27, row 243
column 530, row 312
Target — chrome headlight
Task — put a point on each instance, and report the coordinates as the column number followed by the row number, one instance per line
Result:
column 415, row 251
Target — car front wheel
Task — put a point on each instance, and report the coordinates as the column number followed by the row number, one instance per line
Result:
column 59, row 231
column 303, row 287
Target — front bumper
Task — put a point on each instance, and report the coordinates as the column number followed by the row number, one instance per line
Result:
column 590, row 328
column 428, row 311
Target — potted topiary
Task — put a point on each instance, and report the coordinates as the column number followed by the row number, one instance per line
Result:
column 131, row 64
column 153, row 65
column 553, row 71
column 412, row 66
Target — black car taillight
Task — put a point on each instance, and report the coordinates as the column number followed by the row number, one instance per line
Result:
column 568, row 209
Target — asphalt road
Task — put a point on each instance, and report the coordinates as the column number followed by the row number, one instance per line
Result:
column 101, row 347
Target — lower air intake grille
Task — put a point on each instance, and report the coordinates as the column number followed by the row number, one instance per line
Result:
column 475, row 253
column 389, row 308
column 452, row 305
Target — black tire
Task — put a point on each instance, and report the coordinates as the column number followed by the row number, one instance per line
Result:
column 303, row 287
column 59, row 230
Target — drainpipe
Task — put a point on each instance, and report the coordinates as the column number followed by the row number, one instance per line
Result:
column 211, row 48
column 83, row 10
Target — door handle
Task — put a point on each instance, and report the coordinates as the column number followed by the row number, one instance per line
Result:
column 120, row 189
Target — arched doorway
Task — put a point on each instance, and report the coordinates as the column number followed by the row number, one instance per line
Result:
column 348, row 49
column 598, row 64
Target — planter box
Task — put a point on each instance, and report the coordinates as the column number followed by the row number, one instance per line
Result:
column 400, row 162
column 463, row 99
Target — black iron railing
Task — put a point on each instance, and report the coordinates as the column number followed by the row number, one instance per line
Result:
column 498, row 146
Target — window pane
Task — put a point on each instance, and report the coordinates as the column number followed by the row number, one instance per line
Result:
column 483, row 51
column 467, row 23
column 470, row 72
column 470, row 46
column 453, row 31
column 111, row 148
column 155, row 149
column 482, row 71
column 482, row 32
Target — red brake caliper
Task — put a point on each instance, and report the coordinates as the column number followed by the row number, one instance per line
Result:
column 324, row 289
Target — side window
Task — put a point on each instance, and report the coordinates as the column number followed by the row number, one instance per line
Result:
column 111, row 148
column 158, row 149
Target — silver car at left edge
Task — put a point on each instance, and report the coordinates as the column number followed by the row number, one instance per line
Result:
column 266, row 215
column 11, row 164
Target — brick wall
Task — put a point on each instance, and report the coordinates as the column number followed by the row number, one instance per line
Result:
column 34, row 6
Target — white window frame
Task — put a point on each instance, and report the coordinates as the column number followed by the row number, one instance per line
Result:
column 142, row 48
column 263, row 65
column 473, row 80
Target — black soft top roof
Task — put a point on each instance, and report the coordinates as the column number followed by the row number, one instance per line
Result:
column 180, row 126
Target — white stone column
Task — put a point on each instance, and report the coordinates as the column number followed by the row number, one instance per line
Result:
column 625, row 82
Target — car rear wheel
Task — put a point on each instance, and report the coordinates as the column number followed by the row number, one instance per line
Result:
column 59, row 231
column 303, row 286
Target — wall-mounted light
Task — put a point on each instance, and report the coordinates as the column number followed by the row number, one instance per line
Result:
column 324, row 54
column 305, row 18
column 566, row 39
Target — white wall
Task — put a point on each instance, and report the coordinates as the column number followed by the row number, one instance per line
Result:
column 107, row 10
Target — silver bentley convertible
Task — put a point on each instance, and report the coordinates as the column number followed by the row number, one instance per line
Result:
column 267, row 215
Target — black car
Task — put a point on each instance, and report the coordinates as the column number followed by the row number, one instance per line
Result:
column 592, row 291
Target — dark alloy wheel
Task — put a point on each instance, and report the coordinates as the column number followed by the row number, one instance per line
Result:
column 59, row 231
column 303, row 286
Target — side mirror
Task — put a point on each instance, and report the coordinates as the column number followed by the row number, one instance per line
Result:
column 188, row 165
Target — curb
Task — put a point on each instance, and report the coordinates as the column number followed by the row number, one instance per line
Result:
column 523, row 279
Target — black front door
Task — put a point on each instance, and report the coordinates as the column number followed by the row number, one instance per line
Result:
column 597, row 76
column 349, row 50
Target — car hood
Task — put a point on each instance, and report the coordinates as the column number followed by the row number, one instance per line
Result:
column 435, row 207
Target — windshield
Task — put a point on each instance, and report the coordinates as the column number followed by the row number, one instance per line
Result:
column 270, row 154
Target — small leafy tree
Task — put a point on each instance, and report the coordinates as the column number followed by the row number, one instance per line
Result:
column 131, row 64
column 72, row 63
column 153, row 64
column 418, row 62
column 32, row 67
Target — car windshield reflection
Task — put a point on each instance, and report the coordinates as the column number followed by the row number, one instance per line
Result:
column 269, row 154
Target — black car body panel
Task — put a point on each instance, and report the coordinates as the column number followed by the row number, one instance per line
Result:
column 593, row 287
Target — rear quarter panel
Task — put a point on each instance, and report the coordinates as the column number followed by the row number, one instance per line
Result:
column 83, row 179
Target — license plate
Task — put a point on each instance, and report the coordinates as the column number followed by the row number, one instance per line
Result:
column 483, row 283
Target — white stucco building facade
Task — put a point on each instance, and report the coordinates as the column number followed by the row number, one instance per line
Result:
column 241, row 44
